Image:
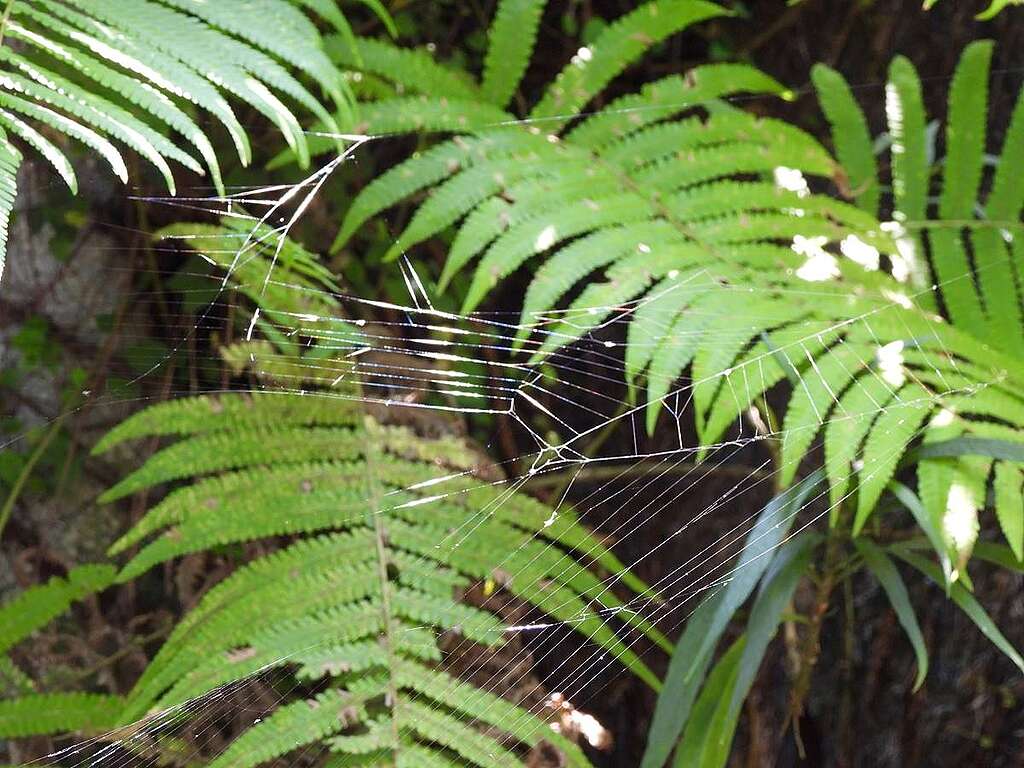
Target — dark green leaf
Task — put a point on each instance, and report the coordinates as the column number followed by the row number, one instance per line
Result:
column 883, row 569
column 967, row 602
column 707, row 727
column 694, row 649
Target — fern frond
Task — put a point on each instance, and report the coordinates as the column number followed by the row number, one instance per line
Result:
column 857, row 410
column 415, row 70
column 424, row 170
column 520, row 243
column 293, row 726
column 574, row 262
column 10, row 159
column 279, row 29
column 47, row 713
column 1010, row 505
column 105, row 72
column 701, row 216
column 207, row 414
column 42, row 145
column 904, row 109
column 75, row 130
column 890, row 434
column 428, row 113
column 672, row 95
column 965, row 139
column 360, row 600
column 811, row 405
column 763, row 364
column 998, row 278
column 98, row 114
column 98, row 61
column 467, row 189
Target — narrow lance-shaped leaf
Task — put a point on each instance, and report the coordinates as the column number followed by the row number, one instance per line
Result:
column 713, row 740
column 704, row 729
column 883, row 569
column 693, row 651
column 967, row 602
column 930, row 527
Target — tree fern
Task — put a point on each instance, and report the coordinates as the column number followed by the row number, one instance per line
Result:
column 129, row 72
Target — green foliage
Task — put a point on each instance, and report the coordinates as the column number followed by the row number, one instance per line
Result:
column 707, row 739
column 30, row 610
column 624, row 179
column 368, row 579
column 745, row 277
column 993, row 9
column 57, row 713
column 759, row 561
column 967, row 603
column 131, row 71
column 512, row 38
column 37, row 606
column 881, row 566
column 279, row 278
column 671, row 209
column 877, row 371
column 963, row 378
column 358, row 598
column 656, row 203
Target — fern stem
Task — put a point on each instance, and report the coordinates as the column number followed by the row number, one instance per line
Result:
column 3, row 27
column 810, row 649
column 380, row 536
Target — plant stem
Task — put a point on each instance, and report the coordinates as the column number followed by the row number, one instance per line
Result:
column 846, row 741
column 811, row 647
column 26, row 471
column 7, row 17
column 377, row 523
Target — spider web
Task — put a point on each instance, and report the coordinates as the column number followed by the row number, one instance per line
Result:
column 565, row 404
